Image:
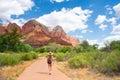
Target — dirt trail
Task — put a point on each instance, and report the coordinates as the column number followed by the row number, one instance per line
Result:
column 39, row 71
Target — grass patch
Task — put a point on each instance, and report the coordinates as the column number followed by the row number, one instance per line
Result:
column 13, row 59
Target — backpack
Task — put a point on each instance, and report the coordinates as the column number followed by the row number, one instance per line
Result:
column 49, row 61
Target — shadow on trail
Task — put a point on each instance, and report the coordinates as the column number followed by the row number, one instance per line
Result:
column 42, row 72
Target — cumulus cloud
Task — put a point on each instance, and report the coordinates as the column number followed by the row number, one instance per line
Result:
column 86, row 30
column 78, row 36
column 69, row 19
column 109, row 9
column 117, row 10
column 100, row 19
column 113, row 37
column 13, row 7
column 90, row 31
column 103, row 27
column 83, row 31
column 116, row 29
column 58, row 1
column 92, row 42
column 112, row 20
column 20, row 21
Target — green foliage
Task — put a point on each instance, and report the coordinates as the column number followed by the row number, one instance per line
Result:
column 95, row 46
column 13, row 59
column 54, row 48
column 25, row 48
column 78, row 61
column 85, row 44
column 104, row 62
column 110, row 62
column 28, row 56
column 9, row 59
column 110, row 46
column 77, row 49
column 61, row 56
column 85, row 47
column 64, row 49
column 115, row 45
column 89, row 59
column 40, row 50
column 10, row 42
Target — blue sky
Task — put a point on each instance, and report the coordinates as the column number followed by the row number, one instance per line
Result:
column 96, row 21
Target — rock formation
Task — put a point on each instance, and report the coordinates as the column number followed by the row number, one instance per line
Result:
column 2, row 29
column 37, row 34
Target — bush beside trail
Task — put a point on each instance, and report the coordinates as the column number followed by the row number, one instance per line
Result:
column 13, row 59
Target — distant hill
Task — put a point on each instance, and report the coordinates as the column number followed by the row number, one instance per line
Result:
column 37, row 34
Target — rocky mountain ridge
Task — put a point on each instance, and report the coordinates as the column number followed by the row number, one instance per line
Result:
column 37, row 34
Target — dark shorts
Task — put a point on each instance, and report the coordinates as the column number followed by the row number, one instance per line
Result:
column 49, row 61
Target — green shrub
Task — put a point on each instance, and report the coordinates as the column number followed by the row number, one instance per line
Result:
column 61, row 56
column 78, row 61
column 9, row 59
column 13, row 59
column 40, row 50
column 110, row 63
column 26, row 56
column 34, row 55
column 64, row 49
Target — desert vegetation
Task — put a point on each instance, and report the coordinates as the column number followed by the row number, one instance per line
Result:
column 104, row 60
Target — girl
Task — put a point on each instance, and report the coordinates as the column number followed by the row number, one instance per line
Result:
column 49, row 62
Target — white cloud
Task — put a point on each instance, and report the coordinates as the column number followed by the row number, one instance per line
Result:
column 100, row 19
column 117, row 10
column 113, row 37
column 109, row 9
column 13, row 7
column 90, row 31
column 83, row 31
column 78, row 36
column 103, row 27
column 86, row 30
column 101, row 45
column 92, row 42
column 113, row 21
column 116, row 29
column 59, row 1
column 20, row 21
column 69, row 19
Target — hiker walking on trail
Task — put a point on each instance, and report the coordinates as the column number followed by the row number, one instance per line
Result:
column 49, row 62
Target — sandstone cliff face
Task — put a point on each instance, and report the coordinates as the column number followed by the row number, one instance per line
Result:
column 9, row 27
column 37, row 34
column 13, row 25
column 37, row 37
column 2, row 29
column 59, row 36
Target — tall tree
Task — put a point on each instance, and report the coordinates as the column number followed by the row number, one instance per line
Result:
column 85, row 44
column 10, row 40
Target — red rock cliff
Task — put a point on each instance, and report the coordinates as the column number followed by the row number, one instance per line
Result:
column 37, row 34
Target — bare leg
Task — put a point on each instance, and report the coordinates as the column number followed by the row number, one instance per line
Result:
column 50, row 68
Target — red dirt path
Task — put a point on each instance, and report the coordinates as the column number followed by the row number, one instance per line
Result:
column 39, row 71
